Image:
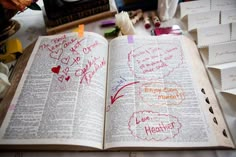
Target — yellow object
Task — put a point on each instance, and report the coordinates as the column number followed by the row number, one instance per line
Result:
column 10, row 50
column 81, row 30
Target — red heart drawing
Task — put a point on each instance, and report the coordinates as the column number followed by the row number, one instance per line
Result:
column 61, row 78
column 56, row 70
column 67, row 78
column 66, row 70
column 65, row 60
column 56, row 54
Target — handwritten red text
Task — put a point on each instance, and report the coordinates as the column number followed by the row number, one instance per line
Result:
column 153, row 126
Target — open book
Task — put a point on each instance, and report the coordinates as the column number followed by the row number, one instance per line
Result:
column 136, row 92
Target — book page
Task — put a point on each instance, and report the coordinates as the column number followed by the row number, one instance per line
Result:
column 61, row 96
column 153, row 100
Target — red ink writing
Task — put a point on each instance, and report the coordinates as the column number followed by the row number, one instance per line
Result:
column 76, row 46
column 61, row 78
column 159, row 128
column 75, row 61
column 66, row 70
column 86, row 70
column 143, row 119
column 56, row 69
column 171, row 50
column 89, row 48
column 58, row 39
column 43, row 46
column 56, row 46
column 67, row 78
column 56, row 54
column 86, row 73
column 153, row 126
column 152, row 58
column 65, row 60
column 69, row 42
column 115, row 97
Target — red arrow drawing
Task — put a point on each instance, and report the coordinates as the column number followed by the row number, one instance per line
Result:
column 113, row 99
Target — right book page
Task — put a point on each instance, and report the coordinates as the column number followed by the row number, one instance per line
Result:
column 159, row 95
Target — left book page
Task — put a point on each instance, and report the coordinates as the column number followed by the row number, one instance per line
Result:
column 60, row 99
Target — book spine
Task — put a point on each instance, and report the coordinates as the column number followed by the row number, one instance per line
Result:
column 70, row 25
column 91, row 4
column 144, row 5
column 69, row 9
column 78, row 15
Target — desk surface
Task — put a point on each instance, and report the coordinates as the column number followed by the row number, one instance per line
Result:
column 32, row 25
